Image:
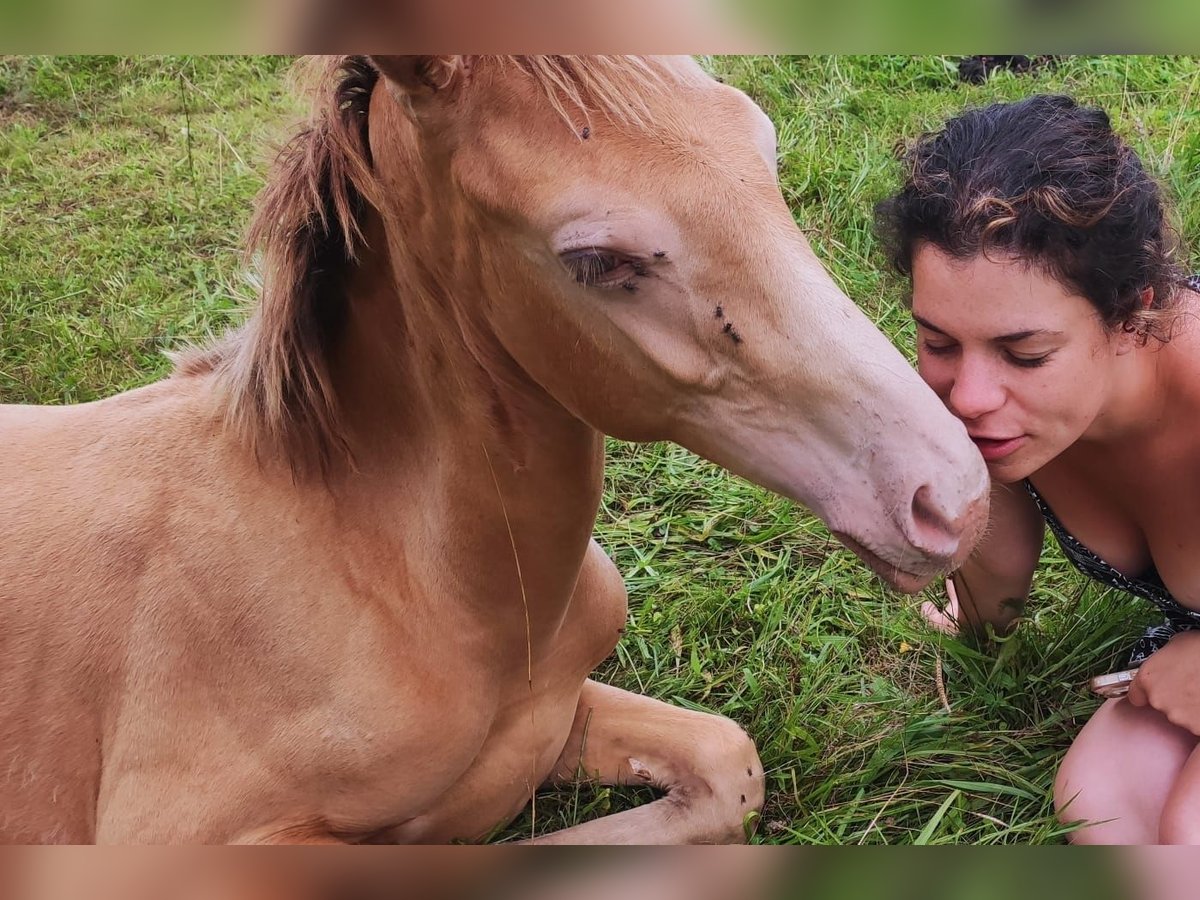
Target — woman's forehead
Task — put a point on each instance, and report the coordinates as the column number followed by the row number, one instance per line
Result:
column 1000, row 295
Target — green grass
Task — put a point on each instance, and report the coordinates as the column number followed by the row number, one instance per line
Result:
column 124, row 188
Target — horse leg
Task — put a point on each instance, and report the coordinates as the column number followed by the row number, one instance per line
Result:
column 706, row 765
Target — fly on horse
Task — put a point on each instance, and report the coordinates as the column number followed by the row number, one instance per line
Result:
column 334, row 580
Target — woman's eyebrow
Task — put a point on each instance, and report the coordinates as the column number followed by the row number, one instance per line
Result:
column 928, row 325
column 1002, row 339
column 1021, row 335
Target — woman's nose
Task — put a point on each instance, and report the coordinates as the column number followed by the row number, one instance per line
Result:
column 976, row 390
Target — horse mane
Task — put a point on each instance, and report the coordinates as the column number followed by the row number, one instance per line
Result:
column 273, row 373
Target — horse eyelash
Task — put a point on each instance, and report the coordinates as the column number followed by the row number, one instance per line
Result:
column 589, row 266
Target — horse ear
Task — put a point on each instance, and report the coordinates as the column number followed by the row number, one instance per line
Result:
column 419, row 76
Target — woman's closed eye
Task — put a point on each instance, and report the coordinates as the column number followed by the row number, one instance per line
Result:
column 1026, row 361
column 1021, row 360
column 938, row 348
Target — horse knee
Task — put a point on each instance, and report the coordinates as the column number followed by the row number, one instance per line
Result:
column 728, row 768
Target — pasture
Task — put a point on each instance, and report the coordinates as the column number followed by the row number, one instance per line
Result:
column 125, row 185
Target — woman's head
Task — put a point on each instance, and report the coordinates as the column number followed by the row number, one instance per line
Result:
column 1048, row 182
column 1040, row 257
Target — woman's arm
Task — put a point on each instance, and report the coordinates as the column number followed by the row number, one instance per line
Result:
column 991, row 587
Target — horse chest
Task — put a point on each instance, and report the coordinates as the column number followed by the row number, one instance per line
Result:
column 521, row 748
column 532, row 717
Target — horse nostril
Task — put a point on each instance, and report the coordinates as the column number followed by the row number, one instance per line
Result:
column 942, row 533
column 931, row 522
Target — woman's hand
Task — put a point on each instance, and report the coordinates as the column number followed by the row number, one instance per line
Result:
column 1169, row 681
column 960, row 615
column 945, row 618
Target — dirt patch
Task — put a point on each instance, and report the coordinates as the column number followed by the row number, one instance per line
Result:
column 16, row 109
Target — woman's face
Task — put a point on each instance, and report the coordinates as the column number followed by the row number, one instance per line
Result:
column 1023, row 362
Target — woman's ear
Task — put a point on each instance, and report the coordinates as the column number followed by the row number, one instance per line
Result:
column 1133, row 331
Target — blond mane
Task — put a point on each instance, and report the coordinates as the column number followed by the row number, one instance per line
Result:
column 273, row 373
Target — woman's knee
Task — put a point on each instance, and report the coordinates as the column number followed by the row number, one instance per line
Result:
column 1179, row 824
column 1118, row 774
column 1082, row 790
column 1180, row 819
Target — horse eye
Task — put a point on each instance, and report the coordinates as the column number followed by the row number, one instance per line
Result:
column 591, row 265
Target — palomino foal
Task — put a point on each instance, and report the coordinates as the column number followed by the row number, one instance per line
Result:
column 334, row 578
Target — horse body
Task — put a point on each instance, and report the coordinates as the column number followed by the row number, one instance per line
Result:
column 184, row 679
column 334, row 580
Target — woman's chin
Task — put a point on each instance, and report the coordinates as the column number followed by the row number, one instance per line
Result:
column 1003, row 474
column 1012, row 469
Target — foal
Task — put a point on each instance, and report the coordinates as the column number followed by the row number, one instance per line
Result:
column 334, row 578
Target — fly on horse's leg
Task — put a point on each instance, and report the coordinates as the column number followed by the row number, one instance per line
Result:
column 706, row 765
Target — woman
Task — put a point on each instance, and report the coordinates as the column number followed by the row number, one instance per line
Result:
column 1053, row 320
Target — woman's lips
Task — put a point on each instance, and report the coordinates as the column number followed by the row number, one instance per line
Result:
column 995, row 449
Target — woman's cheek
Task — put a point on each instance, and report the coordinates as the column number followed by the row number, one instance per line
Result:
column 935, row 373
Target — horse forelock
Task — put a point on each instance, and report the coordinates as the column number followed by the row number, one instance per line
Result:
column 619, row 87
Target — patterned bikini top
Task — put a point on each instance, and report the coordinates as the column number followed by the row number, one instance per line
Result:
column 1148, row 585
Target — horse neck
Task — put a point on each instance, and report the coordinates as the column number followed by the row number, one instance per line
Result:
column 454, row 415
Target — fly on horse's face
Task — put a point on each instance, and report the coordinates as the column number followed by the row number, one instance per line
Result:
column 650, row 278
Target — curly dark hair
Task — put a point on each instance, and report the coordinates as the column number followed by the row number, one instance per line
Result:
column 1047, row 181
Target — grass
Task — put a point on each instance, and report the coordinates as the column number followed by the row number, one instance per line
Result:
column 126, row 185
